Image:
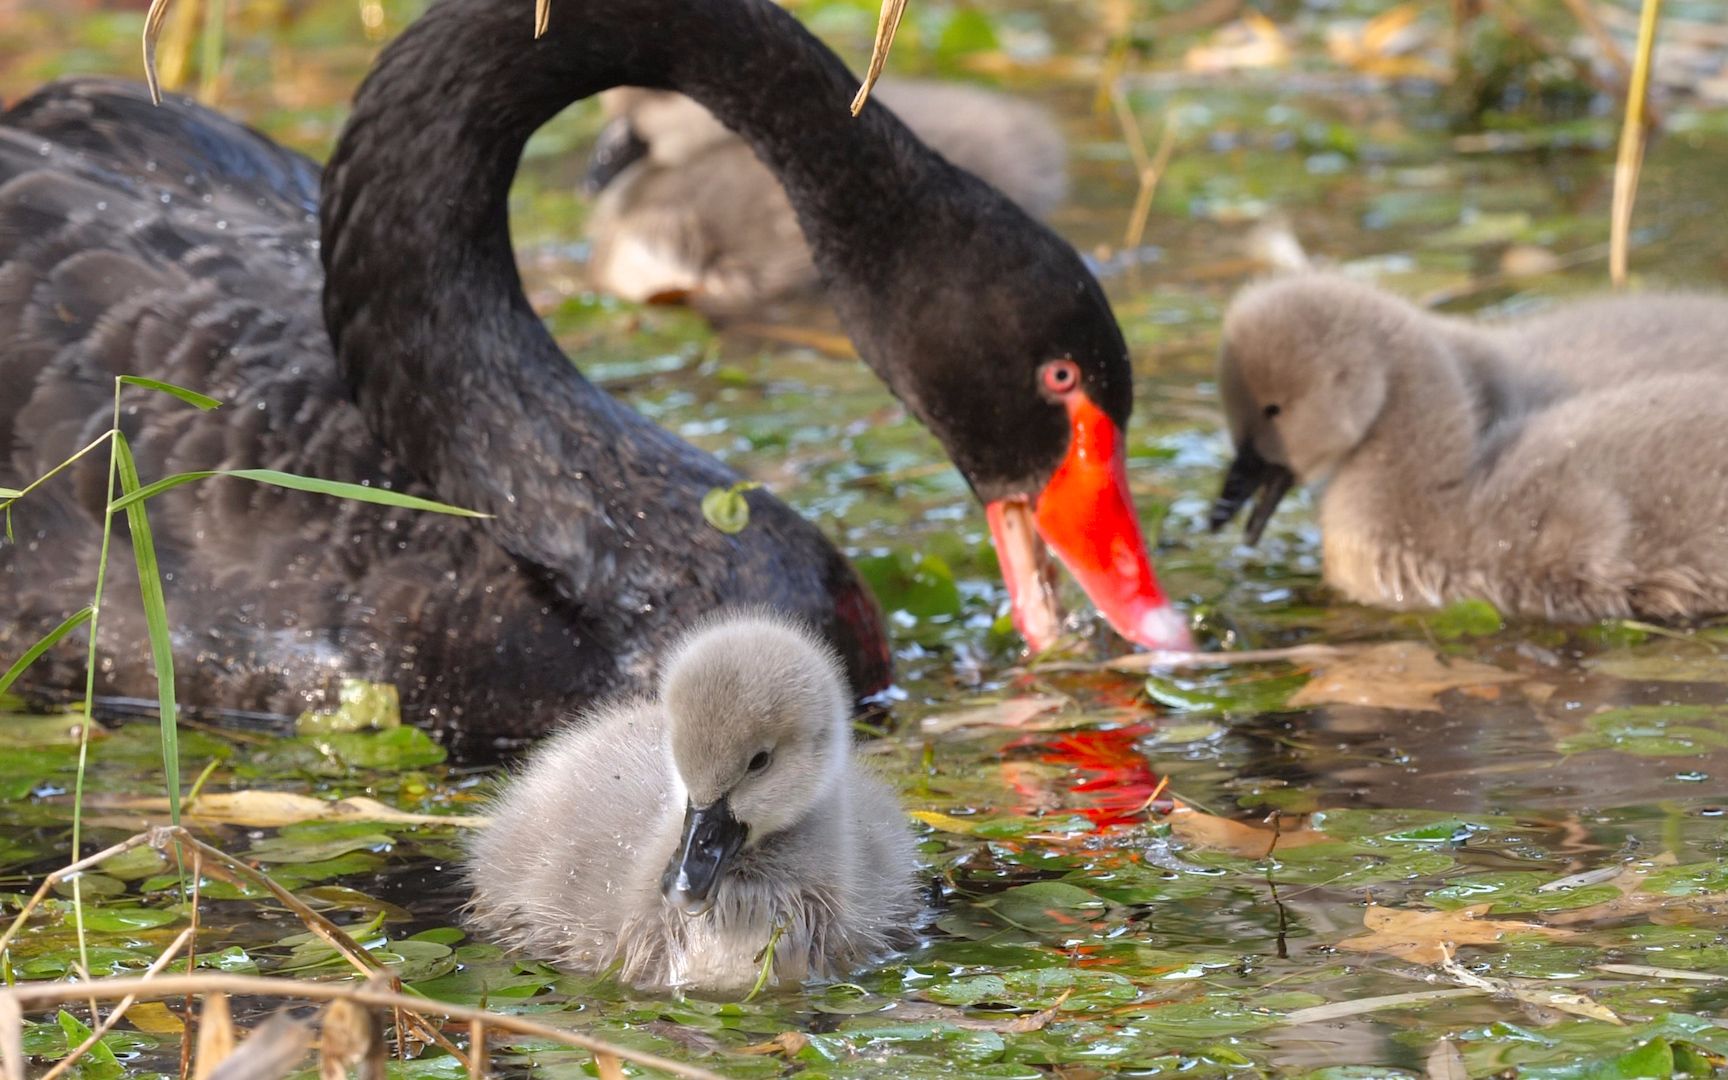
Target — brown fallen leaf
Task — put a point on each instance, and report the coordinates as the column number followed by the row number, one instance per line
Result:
column 1445, row 1062
column 1017, row 1025
column 274, row 809
column 1428, row 937
column 1208, row 832
column 154, row 1018
column 1397, row 675
column 787, row 1042
column 1013, row 713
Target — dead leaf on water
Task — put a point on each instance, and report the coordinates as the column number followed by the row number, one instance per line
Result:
column 942, row 822
column 1018, row 713
column 154, row 1018
column 1017, row 1025
column 274, row 809
column 1445, row 1062
column 1397, row 675
column 1208, row 832
column 787, row 1042
column 1428, row 937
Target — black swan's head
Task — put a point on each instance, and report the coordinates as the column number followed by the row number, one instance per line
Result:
column 1001, row 341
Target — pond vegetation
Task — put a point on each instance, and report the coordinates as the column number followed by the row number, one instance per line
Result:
column 1439, row 845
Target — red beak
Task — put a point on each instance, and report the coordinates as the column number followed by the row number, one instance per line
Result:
column 1085, row 516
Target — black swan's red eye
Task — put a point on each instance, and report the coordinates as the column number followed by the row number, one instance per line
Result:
column 1059, row 376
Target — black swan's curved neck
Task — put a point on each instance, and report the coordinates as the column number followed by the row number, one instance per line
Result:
column 422, row 297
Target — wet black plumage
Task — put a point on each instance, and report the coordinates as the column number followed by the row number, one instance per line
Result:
column 174, row 243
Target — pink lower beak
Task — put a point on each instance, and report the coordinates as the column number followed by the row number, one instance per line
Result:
column 1084, row 514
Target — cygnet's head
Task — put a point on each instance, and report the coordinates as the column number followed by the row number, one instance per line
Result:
column 665, row 127
column 757, row 709
column 1302, row 372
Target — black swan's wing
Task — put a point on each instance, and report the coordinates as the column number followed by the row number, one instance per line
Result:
column 204, row 271
column 183, row 149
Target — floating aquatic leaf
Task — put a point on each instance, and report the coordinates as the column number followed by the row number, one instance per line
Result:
column 360, row 706
column 1248, row 695
column 1012, row 713
column 153, row 1017
column 1654, row 731
column 274, row 809
column 1466, row 618
column 398, row 748
column 726, row 508
column 921, row 585
column 125, row 919
column 1396, row 675
column 1428, row 937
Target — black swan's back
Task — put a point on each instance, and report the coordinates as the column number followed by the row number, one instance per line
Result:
column 171, row 242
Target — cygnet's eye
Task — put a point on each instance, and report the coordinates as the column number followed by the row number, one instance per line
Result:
column 760, row 761
column 1271, row 411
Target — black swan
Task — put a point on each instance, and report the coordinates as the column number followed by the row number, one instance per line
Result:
column 687, row 211
column 174, row 243
column 1566, row 465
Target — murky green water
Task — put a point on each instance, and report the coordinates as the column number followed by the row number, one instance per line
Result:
column 1575, row 787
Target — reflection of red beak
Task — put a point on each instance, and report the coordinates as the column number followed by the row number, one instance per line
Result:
column 1085, row 516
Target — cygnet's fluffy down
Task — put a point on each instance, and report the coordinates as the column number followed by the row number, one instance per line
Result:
column 671, row 837
column 688, row 212
column 1570, row 465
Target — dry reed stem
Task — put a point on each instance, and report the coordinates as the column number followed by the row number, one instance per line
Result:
column 215, row 1036
column 887, row 24
column 32, row 997
column 542, row 17
column 1630, row 159
column 57, row 876
column 114, row 1016
column 11, row 1040
column 153, row 30
column 1169, row 659
column 332, row 935
column 159, row 838
column 1148, row 167
column 476, row 1050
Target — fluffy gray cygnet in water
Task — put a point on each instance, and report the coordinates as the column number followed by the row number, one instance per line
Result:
column 1569, row 465
column 671, row 837
column 687, row 212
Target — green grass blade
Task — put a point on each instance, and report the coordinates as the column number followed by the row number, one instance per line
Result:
column 10, row 493
column 73, row 622
column 336, row 488
column 156, row 620
column 125, row 501
column 190, row 397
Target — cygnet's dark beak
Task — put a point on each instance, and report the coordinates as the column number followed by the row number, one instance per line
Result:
column 712, row 837
column 1250, row 474
column 617, row 148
